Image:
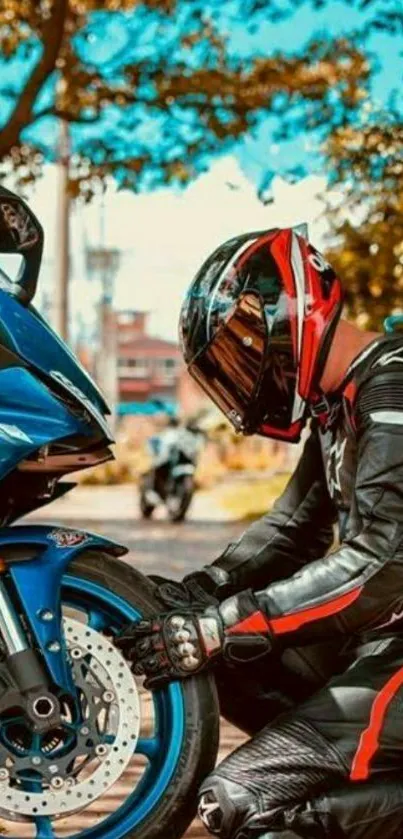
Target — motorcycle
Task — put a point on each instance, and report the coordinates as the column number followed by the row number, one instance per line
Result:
column 171, row 480
column 85, row 750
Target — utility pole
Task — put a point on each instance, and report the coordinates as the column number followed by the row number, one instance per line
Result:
column 104, row 263
column 107, row 358
column 61, row 308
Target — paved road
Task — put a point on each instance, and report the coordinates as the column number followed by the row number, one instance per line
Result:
column 155, row 547
column 174, row 550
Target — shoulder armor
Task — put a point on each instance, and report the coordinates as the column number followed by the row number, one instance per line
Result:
column 375, row 390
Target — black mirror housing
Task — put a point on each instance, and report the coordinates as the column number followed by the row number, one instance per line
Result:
column 21, row 233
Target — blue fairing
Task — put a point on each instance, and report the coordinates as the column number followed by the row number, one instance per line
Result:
column 38, row 582
column 30, row 417
column 23, row 331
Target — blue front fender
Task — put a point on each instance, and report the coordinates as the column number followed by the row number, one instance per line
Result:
column 38, row 582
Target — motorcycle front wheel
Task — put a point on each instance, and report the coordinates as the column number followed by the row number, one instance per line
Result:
column 146, row 509
column 179, row 501
column 132, row 765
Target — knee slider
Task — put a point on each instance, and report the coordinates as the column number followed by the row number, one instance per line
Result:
column 224, row 806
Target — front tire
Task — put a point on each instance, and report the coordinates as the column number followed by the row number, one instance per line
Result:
column 184, row 491
column 146, row 510
column 173, row 812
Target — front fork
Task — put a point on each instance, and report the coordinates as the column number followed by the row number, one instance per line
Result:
column 25, row 668
column 37, row 582
column 12, row 633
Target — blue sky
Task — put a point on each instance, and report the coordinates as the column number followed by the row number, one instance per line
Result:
column 290, row 34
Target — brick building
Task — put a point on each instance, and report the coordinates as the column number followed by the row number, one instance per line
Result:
column 148, row 368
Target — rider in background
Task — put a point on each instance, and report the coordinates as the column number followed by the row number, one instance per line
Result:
column 164, row 449
column 160, row 447
column 306, row 645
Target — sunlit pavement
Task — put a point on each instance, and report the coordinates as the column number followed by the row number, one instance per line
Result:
column 121, row 503
column 155, row 546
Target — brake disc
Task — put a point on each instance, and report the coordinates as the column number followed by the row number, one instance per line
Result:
column 69, row 779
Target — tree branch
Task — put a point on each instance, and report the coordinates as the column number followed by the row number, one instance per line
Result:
column 52, row 38
column 67, row 116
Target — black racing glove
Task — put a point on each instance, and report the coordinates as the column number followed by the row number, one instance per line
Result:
column 181, row 643
column 206, row 587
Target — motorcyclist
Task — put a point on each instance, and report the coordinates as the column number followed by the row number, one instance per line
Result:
column 289, row 627
column 160, row 447
column 164, row 449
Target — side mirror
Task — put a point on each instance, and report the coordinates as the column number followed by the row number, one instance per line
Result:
column 21, row 234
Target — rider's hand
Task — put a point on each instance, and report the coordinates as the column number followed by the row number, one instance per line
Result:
column 181, row 643
column 206, row 587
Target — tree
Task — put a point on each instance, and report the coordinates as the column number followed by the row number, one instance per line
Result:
column 367, row 226
column 151, row 90
column 369, row 258
column 367, row 160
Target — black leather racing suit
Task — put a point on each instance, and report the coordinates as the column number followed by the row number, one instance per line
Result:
column 332, row 764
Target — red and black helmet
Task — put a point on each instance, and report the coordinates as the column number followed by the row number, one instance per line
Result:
column 256, row 326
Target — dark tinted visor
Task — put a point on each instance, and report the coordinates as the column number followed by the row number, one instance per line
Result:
column 278, row 387
column 230, row 367
column 248, row 369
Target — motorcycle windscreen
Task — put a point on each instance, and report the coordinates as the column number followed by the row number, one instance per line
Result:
column 248, row 369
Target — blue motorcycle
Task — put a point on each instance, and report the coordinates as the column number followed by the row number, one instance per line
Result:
column 85, row 750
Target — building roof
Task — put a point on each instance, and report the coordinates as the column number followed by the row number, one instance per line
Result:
column 146, row 386
column 146, row 344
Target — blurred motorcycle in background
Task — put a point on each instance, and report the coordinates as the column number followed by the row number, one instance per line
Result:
column 171, row 478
